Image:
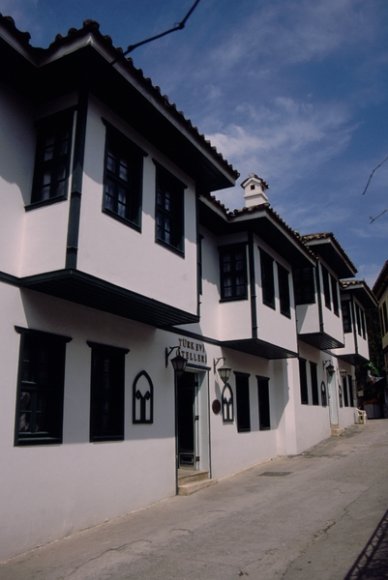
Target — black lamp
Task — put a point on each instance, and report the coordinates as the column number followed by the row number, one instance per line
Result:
column 178, row 362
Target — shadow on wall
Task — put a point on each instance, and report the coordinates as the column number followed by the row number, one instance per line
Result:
column 373, row 560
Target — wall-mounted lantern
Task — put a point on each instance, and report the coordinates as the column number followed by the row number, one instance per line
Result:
column 223, row 371
column 178, row 362
column 328, row 365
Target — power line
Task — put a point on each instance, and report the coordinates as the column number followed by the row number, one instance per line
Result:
column 179, row 26
column 373, row 219
column 372, row 174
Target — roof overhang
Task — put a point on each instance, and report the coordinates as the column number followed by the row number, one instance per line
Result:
column 330, row 251
column 86, row 61
column 261, row 221
column 90, row 291
column 361, row 291
column 353, row 359
column 321, row 340
column 257, row 347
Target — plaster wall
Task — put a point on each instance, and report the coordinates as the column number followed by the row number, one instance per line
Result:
column 78, row 484
column 45, row 229
column 125, row 256
column 17, row 145
column 308, row 317
column 332, row 323
column 273, row 326
column 233, row 451
column 312, row 421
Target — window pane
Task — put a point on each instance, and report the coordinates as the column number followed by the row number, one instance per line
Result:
column 123, row 178
column 169, row 210
column 40, row 398
column 267, row 279
column 107, row 394
column 233, row 272
column 52, row 161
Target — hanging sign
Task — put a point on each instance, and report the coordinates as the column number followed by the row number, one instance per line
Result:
column 193, row 351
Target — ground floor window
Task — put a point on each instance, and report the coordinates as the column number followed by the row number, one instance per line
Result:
column 39, row 410
column 107, row 393
column 242, row 402
column 304, row 396
column 264, row 405
column 314, row 383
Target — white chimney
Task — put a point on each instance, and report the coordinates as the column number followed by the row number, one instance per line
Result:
column 254, row 190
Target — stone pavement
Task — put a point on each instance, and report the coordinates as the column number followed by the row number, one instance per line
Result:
column 322, row 514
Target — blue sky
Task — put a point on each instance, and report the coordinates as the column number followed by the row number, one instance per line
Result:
column 293, row 90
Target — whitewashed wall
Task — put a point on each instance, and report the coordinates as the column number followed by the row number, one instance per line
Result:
column 331, row 322
column 126, row 257
column 312, row 422
column 273, row 326
column 233, row 451
column 17, row 145
column 45, row 229
column 78, row 484
column 308, row 318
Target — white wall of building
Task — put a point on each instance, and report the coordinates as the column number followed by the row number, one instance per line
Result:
column 273, row 326
column 45, row 228
column 17, row 145
column 127, row 257
column 78, row 484
column 233, row 451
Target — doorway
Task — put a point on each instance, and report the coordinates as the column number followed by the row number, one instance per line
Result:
column 187, row 420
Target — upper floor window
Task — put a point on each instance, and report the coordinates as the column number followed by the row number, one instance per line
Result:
column 107, row 393
column 123, row 178
column 39, row 411
column 334, row 292
column 233, row 270
column 326, row 287
column 304, row 287
column 169, row 212
column 361, row 322
column 346, row 316
column 52, row 158
column 284, row 291
column 267, row 279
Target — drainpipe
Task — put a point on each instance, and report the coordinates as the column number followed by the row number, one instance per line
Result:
column 252, row 284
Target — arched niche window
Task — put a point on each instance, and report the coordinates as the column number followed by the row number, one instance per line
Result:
column 143, row 399
column 227, row 404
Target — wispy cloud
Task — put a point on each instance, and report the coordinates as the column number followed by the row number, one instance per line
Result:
column 288, row 142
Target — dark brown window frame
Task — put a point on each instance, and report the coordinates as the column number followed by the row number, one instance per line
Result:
column 40, row 393
column 237, row 287
column 52, row 158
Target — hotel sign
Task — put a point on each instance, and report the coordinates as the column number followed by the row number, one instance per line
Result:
column 193, row 351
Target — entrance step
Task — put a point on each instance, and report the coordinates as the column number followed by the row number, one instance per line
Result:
column 190, row 481
column 336, row 431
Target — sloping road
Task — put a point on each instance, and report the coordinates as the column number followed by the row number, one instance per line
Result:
column 322, row 514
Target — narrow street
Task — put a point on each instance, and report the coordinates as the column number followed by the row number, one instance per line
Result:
column 322, row 514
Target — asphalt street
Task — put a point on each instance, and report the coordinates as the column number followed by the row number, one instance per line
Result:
column 319, row 515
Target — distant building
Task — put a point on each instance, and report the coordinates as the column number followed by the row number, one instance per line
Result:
column 380, row 290
column 119, row 267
